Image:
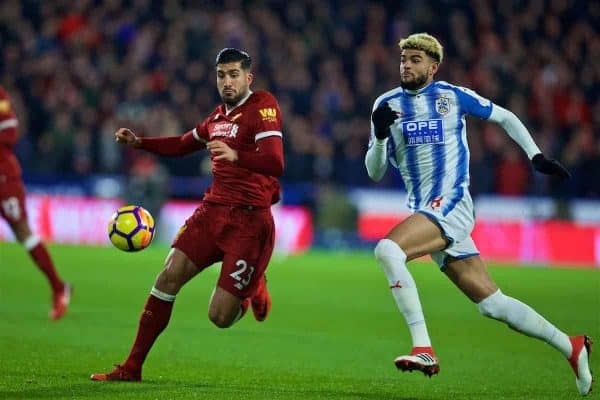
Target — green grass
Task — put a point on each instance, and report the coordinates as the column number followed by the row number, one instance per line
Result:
column 332, row 333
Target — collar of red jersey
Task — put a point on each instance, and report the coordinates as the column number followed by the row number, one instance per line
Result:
column 242, row 101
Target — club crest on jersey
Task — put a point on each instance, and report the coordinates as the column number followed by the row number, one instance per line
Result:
column 442, row 105
column 268, row 114
column 224, row 129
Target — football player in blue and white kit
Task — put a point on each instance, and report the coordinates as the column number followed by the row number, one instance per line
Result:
column 419, row 127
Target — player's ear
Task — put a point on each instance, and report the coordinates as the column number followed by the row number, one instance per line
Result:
column 249, row 78
column 434, row 68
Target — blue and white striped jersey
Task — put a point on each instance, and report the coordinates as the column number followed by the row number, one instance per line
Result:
column 428, row 143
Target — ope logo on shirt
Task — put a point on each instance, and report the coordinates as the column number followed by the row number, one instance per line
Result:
column 418, row 133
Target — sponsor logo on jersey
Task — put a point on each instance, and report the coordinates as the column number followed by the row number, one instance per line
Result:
column 223, row 129
column 268, row 114
column 442, row 105
column 4, row 106
column 417, row 133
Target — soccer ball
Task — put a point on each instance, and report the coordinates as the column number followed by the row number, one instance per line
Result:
column 131, row 228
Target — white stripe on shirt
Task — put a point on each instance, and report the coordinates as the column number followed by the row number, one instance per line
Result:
column 196, row 136
column 263, row 135
column 9, row 123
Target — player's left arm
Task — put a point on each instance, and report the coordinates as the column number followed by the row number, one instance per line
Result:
column 267, row 157
column 519, row 133
column 483, row 108
column 266, row 160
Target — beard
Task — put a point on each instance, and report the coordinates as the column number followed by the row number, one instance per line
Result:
column 233, row 100
column 415, row 84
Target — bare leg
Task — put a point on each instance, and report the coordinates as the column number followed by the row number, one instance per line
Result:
column 472, row 278
column 225, row 309
column 178, row 270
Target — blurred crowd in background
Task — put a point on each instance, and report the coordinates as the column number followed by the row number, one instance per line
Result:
column 77, row 70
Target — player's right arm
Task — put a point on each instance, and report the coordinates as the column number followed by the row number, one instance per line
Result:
column 169, row 146
column 376, row 158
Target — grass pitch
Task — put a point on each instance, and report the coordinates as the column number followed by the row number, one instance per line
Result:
column 332, row 333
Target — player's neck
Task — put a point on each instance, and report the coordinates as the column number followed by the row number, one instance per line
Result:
column 421, row 89
column 229, row 108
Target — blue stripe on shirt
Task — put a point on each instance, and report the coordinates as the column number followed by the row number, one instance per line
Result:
column 462, row 167
column 438, row 154
column 411, row 154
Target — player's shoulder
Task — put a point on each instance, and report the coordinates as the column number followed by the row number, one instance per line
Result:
column 216, row 111
column 387, row 96
column 459, row 90
column 3, row 93
column 263, row 97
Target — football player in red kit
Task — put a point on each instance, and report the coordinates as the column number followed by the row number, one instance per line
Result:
column 12, row 208
column 233, row 223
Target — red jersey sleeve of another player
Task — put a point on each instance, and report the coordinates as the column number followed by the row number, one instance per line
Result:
column 267, row 158
column 8, row 120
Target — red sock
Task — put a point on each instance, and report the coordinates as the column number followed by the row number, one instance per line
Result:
column 40, row 256
column 155, row 318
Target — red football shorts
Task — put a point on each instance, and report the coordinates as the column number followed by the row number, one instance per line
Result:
column 12, row 200
column 241, row 237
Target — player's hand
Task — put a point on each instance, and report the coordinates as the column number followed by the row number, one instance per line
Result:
column 126, row 136
column 382, row 118
column 549, row 167
column 221, row 151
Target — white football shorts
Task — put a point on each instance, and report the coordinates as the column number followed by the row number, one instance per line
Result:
column 456, row 219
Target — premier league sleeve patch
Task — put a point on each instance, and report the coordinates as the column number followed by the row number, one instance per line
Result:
column 417, row 133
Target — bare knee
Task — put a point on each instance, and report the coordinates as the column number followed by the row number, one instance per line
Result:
column 219, row 318
column 168, row 281
column 224, row 308
column 177, row 271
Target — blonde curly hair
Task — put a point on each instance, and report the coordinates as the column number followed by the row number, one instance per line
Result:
column 423, row 41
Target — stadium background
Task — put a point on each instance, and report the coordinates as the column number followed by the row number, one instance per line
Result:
column 78, row 70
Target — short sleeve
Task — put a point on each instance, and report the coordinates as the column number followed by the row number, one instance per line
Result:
column 268, row 118
column 473, row 104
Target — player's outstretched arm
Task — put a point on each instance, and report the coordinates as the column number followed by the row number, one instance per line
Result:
column 519, row 133
column 169, row 146
column 127, row 137
column 549, row 166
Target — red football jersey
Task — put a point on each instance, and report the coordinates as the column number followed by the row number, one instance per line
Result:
column 9, row 165
column 256, row 118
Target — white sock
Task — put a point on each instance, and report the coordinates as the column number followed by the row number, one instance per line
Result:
column 392, row 260
column 524, row 319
